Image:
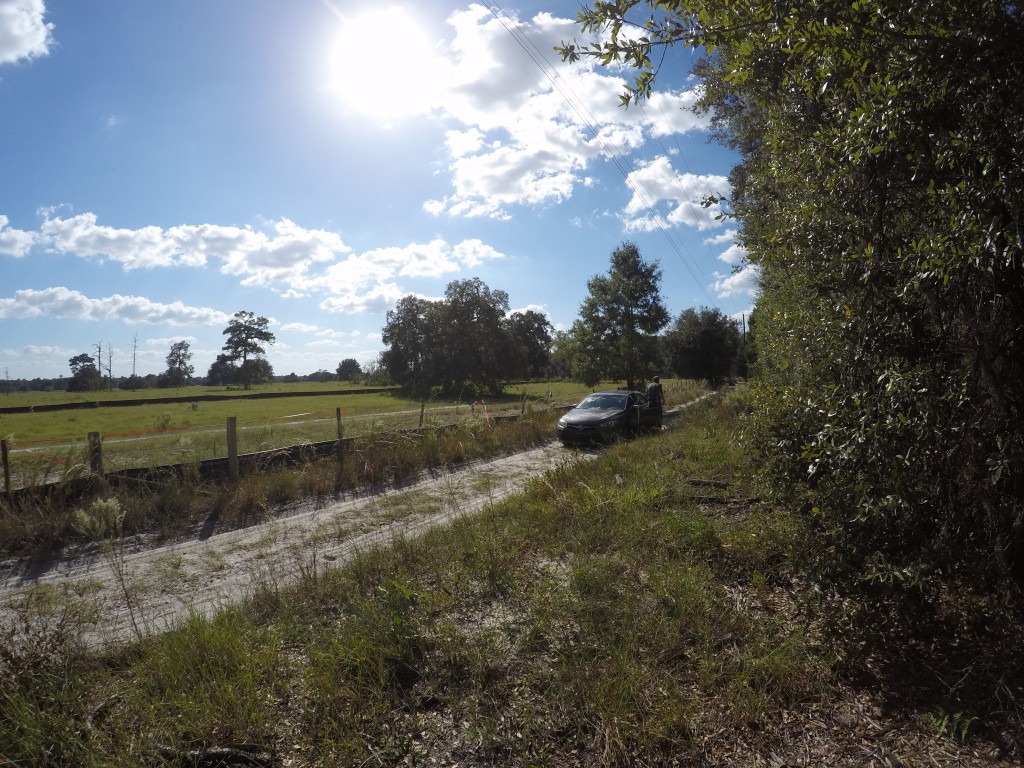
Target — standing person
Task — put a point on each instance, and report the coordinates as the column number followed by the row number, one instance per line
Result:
column 656, row 398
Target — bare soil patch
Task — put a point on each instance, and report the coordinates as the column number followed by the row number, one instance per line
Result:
column 135, row 590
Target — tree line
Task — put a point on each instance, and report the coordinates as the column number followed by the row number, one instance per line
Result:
column 242, row 361
column 468, row 344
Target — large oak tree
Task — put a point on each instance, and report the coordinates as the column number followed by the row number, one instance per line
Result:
column 458, row 346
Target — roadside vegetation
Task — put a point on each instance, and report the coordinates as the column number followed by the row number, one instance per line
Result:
column 379, row 454
column 641, row 608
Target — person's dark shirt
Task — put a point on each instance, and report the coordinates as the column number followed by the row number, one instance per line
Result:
column 655, row 394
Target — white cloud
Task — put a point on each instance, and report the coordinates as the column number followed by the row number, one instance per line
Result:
column 729, row 236
column 329, row 344
column 532, row 125
column 379, row 299
column 734, row 254
column 330, row 334
column 259, row 258
column 366, row 281
column 14, row 242
column 657, row 185
column 301, row 327
column 286, row 257
column 34, row 350
column 134, row 249
column 67, row 304
column 538, row 308
column 472, row 253
column 461, row 143
column 745, row 281
column 170, row 340
column 293, row 260
column 23, row 32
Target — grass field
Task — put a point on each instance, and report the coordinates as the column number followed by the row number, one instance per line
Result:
column 43, row 445
column 17, row 399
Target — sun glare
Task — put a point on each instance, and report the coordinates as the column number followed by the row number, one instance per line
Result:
column 383, row 65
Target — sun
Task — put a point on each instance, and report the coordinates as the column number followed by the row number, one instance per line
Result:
column 383, row 64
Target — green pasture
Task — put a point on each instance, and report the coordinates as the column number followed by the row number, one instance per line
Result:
column 43, row 446
column 11, row 399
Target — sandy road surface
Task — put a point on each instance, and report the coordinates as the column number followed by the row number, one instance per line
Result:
column 149, row 590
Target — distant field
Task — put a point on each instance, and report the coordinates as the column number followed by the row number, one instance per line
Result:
column 44, row 445
column 14, row 399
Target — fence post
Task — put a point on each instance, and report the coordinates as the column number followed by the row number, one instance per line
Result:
column 232, row 447
column 422, row 407
column 341, row 452
column 7, row 468
column 95, row 453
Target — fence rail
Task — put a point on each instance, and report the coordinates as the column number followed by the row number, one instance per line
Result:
column 119, row 458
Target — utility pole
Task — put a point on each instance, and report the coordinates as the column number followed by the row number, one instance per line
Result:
column 135, row 350
column 110, row 364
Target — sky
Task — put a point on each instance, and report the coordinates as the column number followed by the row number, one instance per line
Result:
column 165, row 165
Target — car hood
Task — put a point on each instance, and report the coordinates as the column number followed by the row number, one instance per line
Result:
column 590, row 415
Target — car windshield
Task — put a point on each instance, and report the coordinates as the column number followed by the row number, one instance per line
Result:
column 603, row 401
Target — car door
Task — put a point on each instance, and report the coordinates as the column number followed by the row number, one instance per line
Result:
column 647, row 417
column 633, row 411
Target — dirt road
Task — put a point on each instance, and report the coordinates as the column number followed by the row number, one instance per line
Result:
column 136, row 591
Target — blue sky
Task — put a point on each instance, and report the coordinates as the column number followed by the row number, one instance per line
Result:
column 164, row 165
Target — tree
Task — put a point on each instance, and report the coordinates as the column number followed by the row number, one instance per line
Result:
column 349, row 369
column 405, row 337
column 578, row 354
column 703, row 344
column 247, row 334
column 179, row 367
column 222, row 372
column 458, row 346
column 473, row 342
column 881, row 194
column 532, row 331
column 322, row 376
column 255, row 371
column 623, row 313
column 85, row 376
column 374, row 371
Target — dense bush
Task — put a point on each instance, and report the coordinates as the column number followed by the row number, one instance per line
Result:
column 880, row 193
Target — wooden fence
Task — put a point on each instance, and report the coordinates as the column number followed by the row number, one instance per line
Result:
column 231, row 466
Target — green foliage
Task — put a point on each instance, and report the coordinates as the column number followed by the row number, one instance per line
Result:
column 242, row 361
column 179, row 366
column 703, row 345
column 349, row 369
column 619, row 320
column 101, row 521
column 881, row 193
column 85, row 376
column 532, row 332
column 580, row 356
column 246, row 334
column 637, row 608
column 460, row 342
